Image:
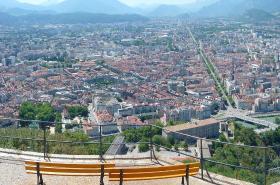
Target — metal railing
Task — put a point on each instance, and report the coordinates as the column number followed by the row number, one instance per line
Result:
column 268, row 166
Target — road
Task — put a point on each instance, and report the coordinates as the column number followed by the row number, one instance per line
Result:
column 243, row 115
column 213, row 73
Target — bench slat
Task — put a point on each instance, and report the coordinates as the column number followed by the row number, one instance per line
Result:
column 138, row 174
column 178, row 173
column 149, row 169
column 67, row 174
column 155, row 169
column 151, row 178
column 193, row 165
column 65, row 170
column 65, row 165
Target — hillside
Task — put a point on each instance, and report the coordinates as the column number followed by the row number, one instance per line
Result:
column 92, row 6
column 167, row 11
column 257, row 15
column 238, row 7
column 68, row 18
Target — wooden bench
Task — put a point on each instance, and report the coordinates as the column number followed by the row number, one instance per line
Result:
column 62, row 169
column 152, row 173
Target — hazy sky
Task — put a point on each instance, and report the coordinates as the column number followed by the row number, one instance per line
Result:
column 128, row 2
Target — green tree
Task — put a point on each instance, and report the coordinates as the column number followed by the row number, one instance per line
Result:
column 247, row 136
column 185, row 146
column 58, row 128
column 27, row 111
column 145, row 132
column 36, row 111
column 158, row 148
column 45, row 112
column 171, row 140
column 75, row 111
column 176, row 147
column 157, row 139
column 170, row 123
column 143, row 147
column 277, row 120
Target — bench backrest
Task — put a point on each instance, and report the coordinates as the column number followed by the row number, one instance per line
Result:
column 48, row 168
column 134, row 174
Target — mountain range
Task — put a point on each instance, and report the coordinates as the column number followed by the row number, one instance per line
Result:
column 92, row 6
column 68, row 18
column 105, row 6
column 258, row 15
column 224, row 8
column 200, row 8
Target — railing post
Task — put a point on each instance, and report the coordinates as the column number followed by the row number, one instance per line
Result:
column 121, row 177
column 183, row 181
column 38, row 173
column 100, row 143
column 102, row 175
column 40, row 180
column 151, row 143
column 188, row 174
column 45, row 141
column 265, row 165
column 201, row 160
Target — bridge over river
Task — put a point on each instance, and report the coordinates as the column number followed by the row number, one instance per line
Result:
column 232, row 113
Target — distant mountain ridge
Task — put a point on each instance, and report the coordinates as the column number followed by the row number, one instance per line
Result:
column 167, row 11
column 238, row 7
column 68, row 18
column 200, row 8
column 257, row 15
column 71, row 6
column 93, row 6
column 101, row 6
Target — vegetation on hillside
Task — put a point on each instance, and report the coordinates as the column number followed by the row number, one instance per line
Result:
column 76, row 143
column 255, row 158
column 143, row 135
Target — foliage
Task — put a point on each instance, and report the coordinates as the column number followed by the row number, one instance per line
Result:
column 271, row 138
column 37, row 111
column 158, row 148
column 134, row 135
column 162, row 141
column 58, row 147
column 277, row 120
column 143, row 134
column 75, row 111
column 176, row 147
column 246, row 156
column 143, row 147
column 184, row 145
column 58, row 128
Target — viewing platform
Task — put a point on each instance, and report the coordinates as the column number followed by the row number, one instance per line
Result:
column 129, row 154
column 13, row 172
